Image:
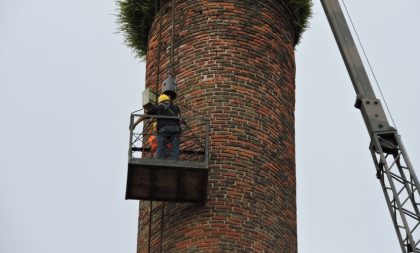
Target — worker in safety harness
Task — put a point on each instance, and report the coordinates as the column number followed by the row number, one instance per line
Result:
column 168, row 130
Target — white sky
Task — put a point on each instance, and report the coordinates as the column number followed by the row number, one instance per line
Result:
column 68, row 85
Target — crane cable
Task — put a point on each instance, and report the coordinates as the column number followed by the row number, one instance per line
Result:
column 159, row 47
column 161, row 224
column 150, row 224
column 171, row 46
column 156, row 92
column 368, row 62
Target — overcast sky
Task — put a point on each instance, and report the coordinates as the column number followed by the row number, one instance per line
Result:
column 68, row 85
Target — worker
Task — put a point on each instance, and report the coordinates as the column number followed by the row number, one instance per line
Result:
column 153, row 142
column 168, row 130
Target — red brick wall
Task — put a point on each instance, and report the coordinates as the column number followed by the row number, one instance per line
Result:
column 234, row 63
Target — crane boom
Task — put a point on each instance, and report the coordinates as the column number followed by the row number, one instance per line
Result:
column 395, row 172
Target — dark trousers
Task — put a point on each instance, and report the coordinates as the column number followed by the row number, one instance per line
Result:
column 168, row 134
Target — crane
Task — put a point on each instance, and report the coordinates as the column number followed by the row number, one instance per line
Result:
column 394, row 170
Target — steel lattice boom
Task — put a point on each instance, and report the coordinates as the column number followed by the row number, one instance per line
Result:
column 394, row 169
column 400, row 186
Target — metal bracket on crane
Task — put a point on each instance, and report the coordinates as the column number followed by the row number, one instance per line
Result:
column 398, row 179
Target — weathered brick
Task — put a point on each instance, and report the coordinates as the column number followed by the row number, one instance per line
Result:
column 234, row 63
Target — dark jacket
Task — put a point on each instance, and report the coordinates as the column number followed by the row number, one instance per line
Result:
column 165, row 110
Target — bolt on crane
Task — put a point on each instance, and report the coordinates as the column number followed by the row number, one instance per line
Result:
column 394, row 170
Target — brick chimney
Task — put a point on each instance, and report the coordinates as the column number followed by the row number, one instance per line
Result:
column 234, row 63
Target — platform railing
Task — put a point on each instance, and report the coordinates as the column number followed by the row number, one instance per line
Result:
column 194, row 138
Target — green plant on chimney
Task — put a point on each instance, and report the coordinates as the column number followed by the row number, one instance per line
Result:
column 135, row 18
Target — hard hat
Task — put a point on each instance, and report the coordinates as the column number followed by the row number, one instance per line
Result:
column 163, row 97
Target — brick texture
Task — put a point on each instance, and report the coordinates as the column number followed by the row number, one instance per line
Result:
column 234, row 63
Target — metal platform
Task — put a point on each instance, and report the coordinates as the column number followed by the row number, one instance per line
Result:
column 183, row 180
column 166, row 180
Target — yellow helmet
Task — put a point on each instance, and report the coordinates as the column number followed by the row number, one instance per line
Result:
column 163, row 97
